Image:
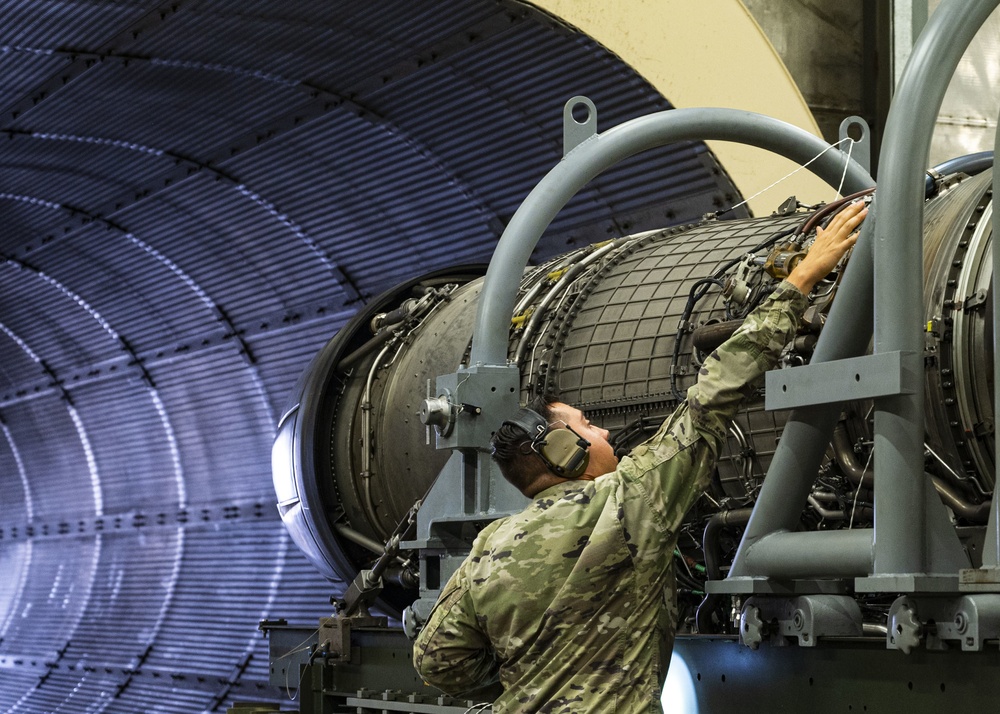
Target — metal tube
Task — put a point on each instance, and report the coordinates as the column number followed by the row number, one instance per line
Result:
column 710, row 538
column 976, row 513
column 360, row 538
column 844, row 553
column 602, row 151
column 823, row 511
column 970, row 164
column 366, row 438
column 900, row 504
column 559, row 286
column 871, row 628
column 843, row 451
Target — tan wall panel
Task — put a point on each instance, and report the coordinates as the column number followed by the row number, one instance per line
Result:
column 709, row 53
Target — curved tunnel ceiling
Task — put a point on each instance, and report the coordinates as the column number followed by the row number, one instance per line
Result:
column 194, row 197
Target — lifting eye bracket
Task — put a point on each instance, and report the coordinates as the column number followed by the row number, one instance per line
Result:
column 579, row 122
column 859, row 148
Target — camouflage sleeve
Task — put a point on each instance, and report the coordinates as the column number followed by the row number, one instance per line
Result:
column 452, row 652
column 737, row 367
column 670, row 470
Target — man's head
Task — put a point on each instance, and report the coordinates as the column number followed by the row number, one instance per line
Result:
column 526, row 470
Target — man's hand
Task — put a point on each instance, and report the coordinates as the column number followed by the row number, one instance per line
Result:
column 829, row 247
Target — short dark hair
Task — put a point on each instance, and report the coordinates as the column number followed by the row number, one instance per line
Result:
column 511, row 447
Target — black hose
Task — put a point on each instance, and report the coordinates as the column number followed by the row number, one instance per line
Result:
column 710, row 546
column 694, row 296
column 710, row 539
column 365, row 349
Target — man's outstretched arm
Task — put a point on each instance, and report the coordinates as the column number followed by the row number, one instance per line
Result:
column 737, row 367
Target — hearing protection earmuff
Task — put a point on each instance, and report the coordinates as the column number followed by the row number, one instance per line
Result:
column 562, row 449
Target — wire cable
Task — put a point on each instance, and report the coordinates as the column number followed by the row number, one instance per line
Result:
column 792, row 173
column 301, row 647
column 854, row 505
column 847, row 163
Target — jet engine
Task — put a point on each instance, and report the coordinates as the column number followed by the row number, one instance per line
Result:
column 619, row 329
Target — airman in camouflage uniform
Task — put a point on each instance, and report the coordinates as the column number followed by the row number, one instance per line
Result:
column 572, row 601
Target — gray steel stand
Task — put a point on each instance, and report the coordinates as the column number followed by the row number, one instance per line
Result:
column 913, row 548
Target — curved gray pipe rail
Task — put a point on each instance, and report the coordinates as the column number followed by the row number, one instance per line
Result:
column 602, row 151
column 903, row 544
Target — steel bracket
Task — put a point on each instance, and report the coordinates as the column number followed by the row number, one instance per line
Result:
column 335, row 634
column 807, row 618
column 482, row 396
column 860, row 148
column 939, row 621
column 579, row 122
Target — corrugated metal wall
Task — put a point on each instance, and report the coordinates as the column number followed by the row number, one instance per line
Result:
column 194, row 197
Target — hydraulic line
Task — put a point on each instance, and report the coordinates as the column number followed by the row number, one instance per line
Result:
column 366, row 438
column 564, row 281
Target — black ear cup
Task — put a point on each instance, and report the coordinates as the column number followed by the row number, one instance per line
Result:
column 565, row 452
column 562, row 449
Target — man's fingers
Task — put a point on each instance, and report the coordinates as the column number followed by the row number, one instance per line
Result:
column 854, row 213
column 851, row 215
column 855, row 220
column 846, row 221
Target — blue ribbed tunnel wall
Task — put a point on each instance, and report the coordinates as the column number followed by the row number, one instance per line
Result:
column 194, row 196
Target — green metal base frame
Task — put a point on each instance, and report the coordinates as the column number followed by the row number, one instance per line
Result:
column 850, row 674
column 379, row 676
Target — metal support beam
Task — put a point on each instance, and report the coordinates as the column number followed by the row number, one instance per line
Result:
column 807, row 433
column 844, row 553
column 881, row 375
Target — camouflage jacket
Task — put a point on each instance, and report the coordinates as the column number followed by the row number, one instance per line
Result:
column 572, row 600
